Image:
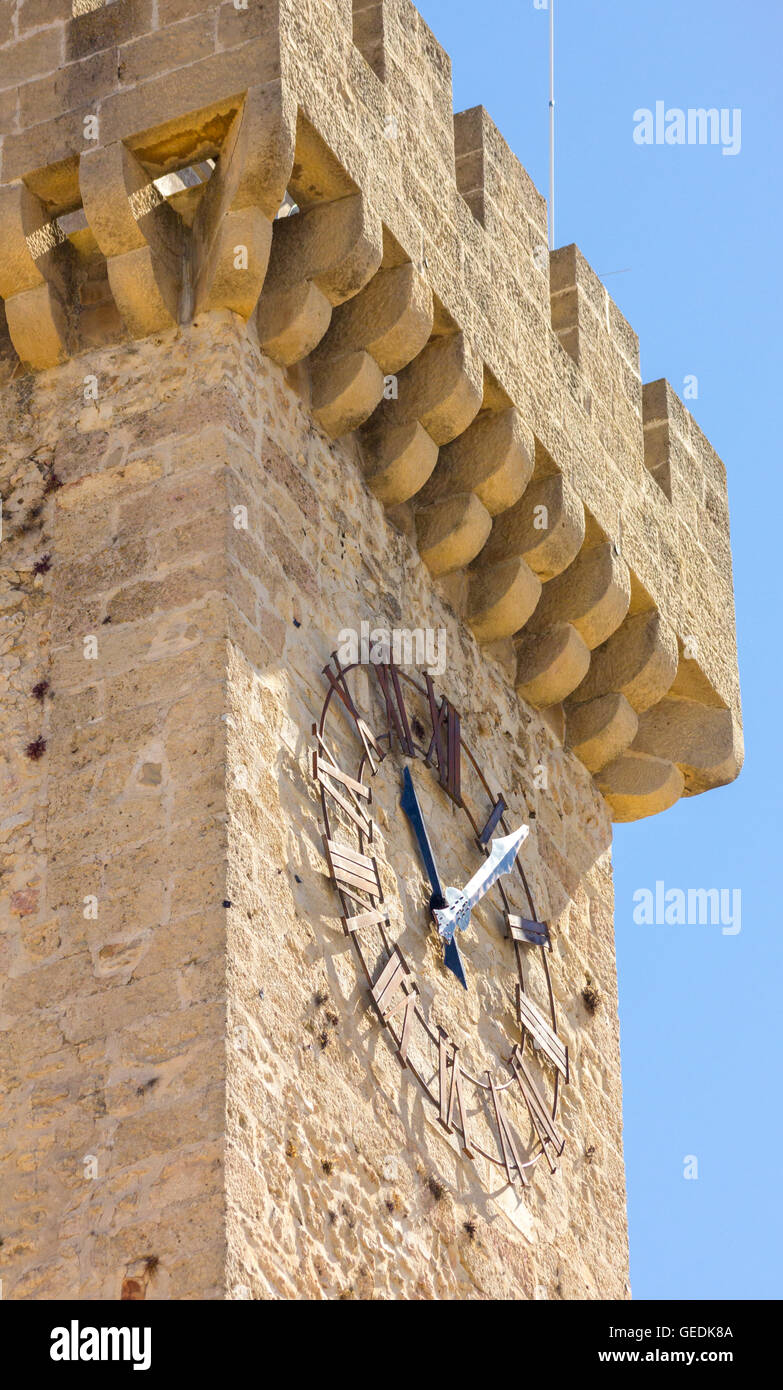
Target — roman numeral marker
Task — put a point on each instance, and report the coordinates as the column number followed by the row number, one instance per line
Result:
column 366, row 919
column 544, row 1125
column 526, row 930
column 494, row 816
column 508, row 1146
column 450, row 1090
column 336, row 678
column 395, row 991
column 396, row 713
column 351, row 871
column 541, row 1033
column 445, row 745
column 326, row 772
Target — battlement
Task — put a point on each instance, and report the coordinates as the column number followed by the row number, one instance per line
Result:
column 418, row 250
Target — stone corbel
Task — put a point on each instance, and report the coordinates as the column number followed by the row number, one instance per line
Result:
column 577, row 612
column 480, row 474
column 629, row 674
column 232, row 229
column 439, row 395
column 34, row 278
column 519, row 556
column 371, row 337
column 704, row 741
column 141, row 237
column 319, row 259
column 546, row 527
column 637, row 784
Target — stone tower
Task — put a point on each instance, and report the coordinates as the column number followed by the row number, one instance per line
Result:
column 283, row 352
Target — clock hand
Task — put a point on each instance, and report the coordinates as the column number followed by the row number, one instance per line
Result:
column 499, row 860
column 453, row 961
column 410, row 805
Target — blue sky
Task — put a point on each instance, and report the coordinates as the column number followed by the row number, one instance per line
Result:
column 700, row 232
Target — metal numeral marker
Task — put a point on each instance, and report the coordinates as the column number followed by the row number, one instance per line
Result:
column 351, row 871
column 494, row 816
column 326, row 772
column 336, row 678
column 526, row 930
column 445, row 745
column 508, row 1147
column 396, row 713
column 542, row 1121
column 450, row 1090
column 539, row 1029
column 393, row 991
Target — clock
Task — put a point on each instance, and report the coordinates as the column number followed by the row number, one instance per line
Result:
column 427, row 866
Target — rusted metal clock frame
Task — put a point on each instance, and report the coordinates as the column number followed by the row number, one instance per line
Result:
column 393, row 990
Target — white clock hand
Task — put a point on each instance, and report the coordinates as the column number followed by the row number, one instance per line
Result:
column 499, row 860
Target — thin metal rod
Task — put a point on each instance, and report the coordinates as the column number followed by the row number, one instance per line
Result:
column 551, row 125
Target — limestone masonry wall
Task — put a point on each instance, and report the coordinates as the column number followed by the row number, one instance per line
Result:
column 112, row 1014
column 191, row 1075
column 249, row 258
column 339, row 1180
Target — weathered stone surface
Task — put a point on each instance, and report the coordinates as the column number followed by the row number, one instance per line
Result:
column 441, row 389
column 637, row 784
column 639, row 661
column 701, row 739
column 139, row 234
column 176, row 772
column 391, row 319
column 374, row 334
column 546, row 527
column 33, row 278
column 451, row 532
column 593, row 595
column 319, row 259
column 550, row 664
column 398, row 461
column 345, row 392
column 501, row 599
column 232, row 229
column 601, row 729
column 492, row 458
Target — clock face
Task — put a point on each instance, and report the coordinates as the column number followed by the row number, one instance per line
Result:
column 426, row 859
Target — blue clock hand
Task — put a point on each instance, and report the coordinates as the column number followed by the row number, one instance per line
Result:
column 453, row 961
column 410, row 805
